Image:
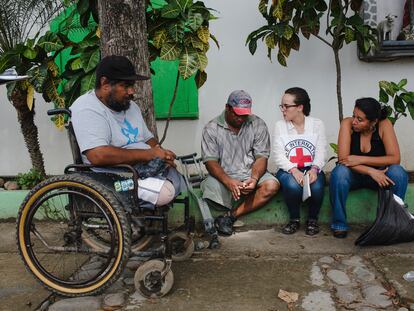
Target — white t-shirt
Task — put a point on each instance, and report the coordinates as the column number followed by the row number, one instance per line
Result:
column 96, row 125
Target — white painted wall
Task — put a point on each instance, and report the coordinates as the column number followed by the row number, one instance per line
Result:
column 232, row 67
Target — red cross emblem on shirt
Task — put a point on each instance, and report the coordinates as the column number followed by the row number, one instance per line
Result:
column 300, row 158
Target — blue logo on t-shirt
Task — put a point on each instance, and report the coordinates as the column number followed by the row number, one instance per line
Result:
column 130, row 132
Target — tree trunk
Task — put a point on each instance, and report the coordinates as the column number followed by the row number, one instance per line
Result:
column 124, row 32
column 338, row 85
column 29, row 130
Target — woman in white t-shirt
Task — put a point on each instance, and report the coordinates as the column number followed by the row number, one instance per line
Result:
column 299, row 148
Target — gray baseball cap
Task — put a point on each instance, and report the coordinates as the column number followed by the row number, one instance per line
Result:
column 241, row 102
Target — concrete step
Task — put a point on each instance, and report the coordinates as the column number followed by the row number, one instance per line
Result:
column 361, row 208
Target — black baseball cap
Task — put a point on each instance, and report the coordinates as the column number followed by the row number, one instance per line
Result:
column 116, row 67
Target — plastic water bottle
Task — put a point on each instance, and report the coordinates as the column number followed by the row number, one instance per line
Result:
column 409, row 276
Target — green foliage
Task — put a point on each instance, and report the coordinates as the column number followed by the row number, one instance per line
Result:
column 39, row 65
column 286, row 20
column 180, row 30
column 78, row 75
column 334, row 148
column 397, row 100
column 36, row 59
column 18, row 18
column 30, row 55
column 30, row 179
column 177, row 30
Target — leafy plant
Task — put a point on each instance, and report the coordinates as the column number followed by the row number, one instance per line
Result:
column 79, row 72
column 397, row 99
column 36, row 58
column 287, row 19
column 30, row 179
column 334, row 147
column 177, row 30
column 18, row 48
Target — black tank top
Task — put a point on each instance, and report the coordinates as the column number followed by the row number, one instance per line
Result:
column 377, row 146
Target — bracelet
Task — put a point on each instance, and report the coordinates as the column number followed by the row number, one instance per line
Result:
column 254, row 178
column 317, row 169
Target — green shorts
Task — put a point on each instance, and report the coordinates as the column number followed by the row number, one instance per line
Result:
column 215, row 191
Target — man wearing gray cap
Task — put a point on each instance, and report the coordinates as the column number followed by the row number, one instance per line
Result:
column 235, row 147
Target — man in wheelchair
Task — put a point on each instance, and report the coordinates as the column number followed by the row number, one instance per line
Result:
column 110, row 130
column 75, row 232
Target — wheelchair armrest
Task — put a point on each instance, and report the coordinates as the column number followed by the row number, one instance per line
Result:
column 128, row 168
column 55, row 111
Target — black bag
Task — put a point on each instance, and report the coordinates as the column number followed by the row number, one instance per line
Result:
column 394, row 223
column 153, row 168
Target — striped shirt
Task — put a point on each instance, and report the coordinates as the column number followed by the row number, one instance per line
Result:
column 235, row 152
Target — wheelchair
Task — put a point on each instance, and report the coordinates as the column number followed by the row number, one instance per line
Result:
column 76, row 232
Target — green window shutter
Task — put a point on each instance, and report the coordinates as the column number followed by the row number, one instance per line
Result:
column 163, row 83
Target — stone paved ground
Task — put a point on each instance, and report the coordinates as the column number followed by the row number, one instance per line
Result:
column 246, row 273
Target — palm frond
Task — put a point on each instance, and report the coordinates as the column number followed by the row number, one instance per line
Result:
column 21, row 19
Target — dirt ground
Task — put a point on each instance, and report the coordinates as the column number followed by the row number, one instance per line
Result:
column 246, row 273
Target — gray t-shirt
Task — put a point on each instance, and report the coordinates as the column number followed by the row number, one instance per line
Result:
column 235, row 153
column 96, row 125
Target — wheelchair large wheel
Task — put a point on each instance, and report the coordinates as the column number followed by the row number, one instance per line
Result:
column 50, row 226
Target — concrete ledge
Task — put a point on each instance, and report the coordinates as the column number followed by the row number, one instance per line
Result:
column 361, row 208
column 10, row 202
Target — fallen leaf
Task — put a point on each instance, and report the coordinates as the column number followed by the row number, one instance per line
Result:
column 287, row 296
column 390, row 291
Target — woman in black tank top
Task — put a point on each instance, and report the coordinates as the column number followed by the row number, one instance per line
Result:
column 377, row 146
column 369, row 157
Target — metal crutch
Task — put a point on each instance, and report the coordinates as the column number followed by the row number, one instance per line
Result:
column 195, row 181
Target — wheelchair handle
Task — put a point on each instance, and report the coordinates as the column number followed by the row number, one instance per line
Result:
column 55, row 111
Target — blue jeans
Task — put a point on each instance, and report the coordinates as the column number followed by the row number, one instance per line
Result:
column 343, row 180
column 292, row 193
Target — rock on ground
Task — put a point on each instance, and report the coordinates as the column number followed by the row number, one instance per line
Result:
column 374, row 295
column 346, row 294
column 318, row 301
column 339, row 277
column 326, row 259
column 77, row 304
column 114, row 300
column 11, row 185
column 316, row 276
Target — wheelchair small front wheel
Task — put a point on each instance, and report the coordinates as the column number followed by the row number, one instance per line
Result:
column 51, row 225
column 149, row 281
column 182, row 246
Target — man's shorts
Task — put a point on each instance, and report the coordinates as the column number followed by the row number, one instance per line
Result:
column 216, row 192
